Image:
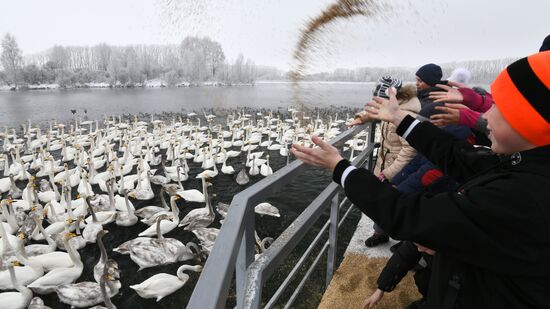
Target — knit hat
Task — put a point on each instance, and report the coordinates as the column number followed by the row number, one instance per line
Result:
column 522, row 95
column 384, row 83
column 460, row 75
column 545, row 44
column 430, row 73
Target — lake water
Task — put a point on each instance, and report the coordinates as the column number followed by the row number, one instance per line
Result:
column 43, row 106
column 46, row 105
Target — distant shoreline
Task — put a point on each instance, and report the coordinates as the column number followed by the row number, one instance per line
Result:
column 5, row 88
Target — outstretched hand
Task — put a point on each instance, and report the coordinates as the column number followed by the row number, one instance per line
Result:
column 325, row 156
column 450, row 115
column 355, row 122
column 385, row 110
column 449, row 95
column 373, row 299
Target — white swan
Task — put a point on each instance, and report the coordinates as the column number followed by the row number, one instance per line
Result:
column 39, row 249
column 226, row 169
column 126, row 218
column 153, row 218
column 161, row 285
column 15, row 300
column 265, row 169
column 192, row 195
column 201, row 217
column 25, row 275
column 162, row 250
column 58, row 276
column 48, row 261
column 92, row 228
column 147, row 211
column 166, row 225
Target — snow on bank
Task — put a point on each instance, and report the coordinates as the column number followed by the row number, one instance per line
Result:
column 153, row 83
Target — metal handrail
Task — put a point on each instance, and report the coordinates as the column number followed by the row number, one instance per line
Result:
column 234, row 246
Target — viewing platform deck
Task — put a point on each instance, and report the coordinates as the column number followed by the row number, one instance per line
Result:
column 355, row 279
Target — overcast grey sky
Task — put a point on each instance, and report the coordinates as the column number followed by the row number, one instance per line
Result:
column 266, row 31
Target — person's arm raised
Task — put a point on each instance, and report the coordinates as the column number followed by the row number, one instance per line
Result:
column 325, row 156
column 449, row 94
column 386, row 110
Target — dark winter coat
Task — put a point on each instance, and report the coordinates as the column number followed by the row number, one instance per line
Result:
column 405, row 258
column 491, row 235
column 424, row 95
column 420, row 174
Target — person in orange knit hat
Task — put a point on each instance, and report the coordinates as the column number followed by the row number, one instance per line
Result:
column 490, row 235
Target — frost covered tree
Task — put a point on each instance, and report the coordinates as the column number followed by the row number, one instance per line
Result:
column 117, row 67
column 201, row 58
column 102, row 56
column 11, row 58
column 59, row 57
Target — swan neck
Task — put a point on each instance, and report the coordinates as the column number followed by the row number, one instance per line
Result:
column 173, row 206
column 159, row 234
column 180, row 273
column 127, row 203
column 75, row 257
column 5, row 242
column 163, row 201
column 106, row 298
column 102, row 249
column 94, row 217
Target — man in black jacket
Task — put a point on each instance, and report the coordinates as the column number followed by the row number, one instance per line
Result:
column 492, row 236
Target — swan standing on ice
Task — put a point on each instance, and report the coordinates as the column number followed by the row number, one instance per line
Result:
column 161, row 285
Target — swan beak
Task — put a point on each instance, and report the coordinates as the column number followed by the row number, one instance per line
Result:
column 70, row 235
column 15, row 263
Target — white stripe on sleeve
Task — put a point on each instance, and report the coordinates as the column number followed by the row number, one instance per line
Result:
column 345, row 174
column 410, row 128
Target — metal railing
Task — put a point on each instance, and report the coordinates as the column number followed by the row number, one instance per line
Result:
column 235, row 245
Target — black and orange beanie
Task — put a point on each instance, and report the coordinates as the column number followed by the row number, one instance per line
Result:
column 522, row 94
